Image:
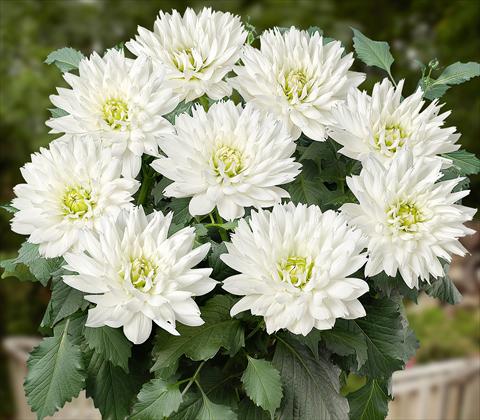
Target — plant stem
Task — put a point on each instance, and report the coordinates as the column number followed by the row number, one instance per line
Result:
column 145, row 188
column 193, row 378
column 391, row 78
column 254, row 331
column 212, row 219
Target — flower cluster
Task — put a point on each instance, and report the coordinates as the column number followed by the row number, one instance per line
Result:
column 292, row 194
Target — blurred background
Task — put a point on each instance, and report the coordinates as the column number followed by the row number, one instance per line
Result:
column 417, row 30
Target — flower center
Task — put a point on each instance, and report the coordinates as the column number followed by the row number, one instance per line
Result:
column 389, row 139
column 184, row 59
column 77, row 201
column 227, row 161
column 296, row 271
column 405, row 216
column 115, row 112
column 142, row 273
column 295, row 86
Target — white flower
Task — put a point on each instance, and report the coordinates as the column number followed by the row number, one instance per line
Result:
column 120, row 101
column 411, row 220
column 196, row 50
column 297, row 78
column 384, row 124
column 295, row 264
column 137, row 274
column 69, row 188
column 228, row 157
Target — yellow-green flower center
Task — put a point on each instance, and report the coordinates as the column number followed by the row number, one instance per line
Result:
column 183, row 59
column 227, row 161
column 142, row 273
column 389, row 139
column 115, row 112
column 295, row 84
column 296, row 271
column 77, row 201
column 405, row 216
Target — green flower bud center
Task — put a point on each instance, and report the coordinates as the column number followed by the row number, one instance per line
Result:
column 227, row 161
column 115, row 112
column 295, row 82
column 405, row 216
column 142, row 272
column 391, row 138
column 296, row 270
column 77, row 201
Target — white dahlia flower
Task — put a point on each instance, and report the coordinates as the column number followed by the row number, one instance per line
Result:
column 196, row 50
column 297, row 78
column 137, row 274
column 411, row 220
column 295, row 266
column 69, row 188
column 230, row 157
column 120, row 101
column 384, row 124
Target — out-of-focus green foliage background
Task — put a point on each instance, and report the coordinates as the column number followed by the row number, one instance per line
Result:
column 30, row 29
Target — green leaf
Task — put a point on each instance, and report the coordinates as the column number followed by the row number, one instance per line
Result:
column 64, row 301
column 19, row 271
column 262, row 384
column 466, row 162
column 372, row 53
column 111, row 388
column 202, row 342
column 311, row 386
column 313, row 29
column 65, row 59
column 307, row 187
column 370, row 402
column 182, row 107
column 220, row 270
column 392, row 286
column 346, row 339
column 444, row 289
column 247, row 410
column 383, row 331
column 57, row 112
column 212, row 411
column 156, row 400
column 179, row 206
column 41, row 268
column 454, row 74
column 9, row 208
column 55, row 374
column 111, row 344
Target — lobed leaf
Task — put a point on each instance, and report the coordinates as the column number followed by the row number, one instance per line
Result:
column 467, row 163
column 370, row 402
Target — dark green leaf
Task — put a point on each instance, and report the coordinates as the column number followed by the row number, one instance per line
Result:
column 179, row 206
column 262, row 384
column 383, row 332
column 372, row 53
column 220, row 270
column 12, row 269
column 9, row 208
column 311, row 386
column 444, row 289
column 392, row 286
column 182, row 107
column 212, row 411
column 55, row 374
column 466, row 162
column 65, row 59
column 111, row 388
column 370, row 402
column 64, row 301
column 111, row 344
column 247, row 410
column 156, row 400
column 203, row 342
column 346, row 339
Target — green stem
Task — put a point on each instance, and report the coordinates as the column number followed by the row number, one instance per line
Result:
column 391, row 78
column 212, row 219
column 193, row 378
column 145, row 188
column 254, row 331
